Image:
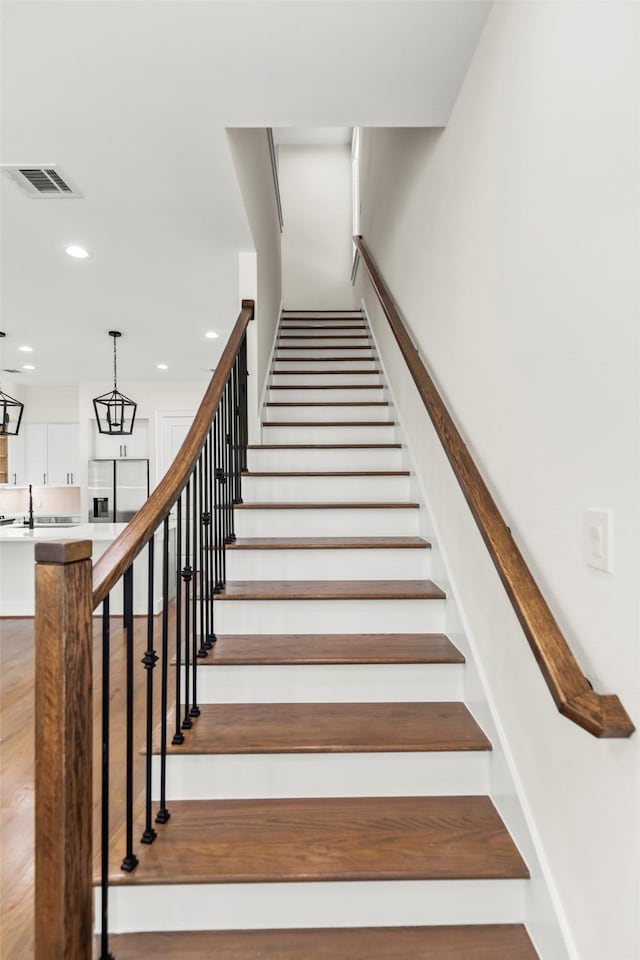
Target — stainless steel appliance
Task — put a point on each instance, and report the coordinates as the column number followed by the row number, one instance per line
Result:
column 117, row 488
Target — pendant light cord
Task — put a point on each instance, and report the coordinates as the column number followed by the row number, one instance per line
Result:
column 115, row 385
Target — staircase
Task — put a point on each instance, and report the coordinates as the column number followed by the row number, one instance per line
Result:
column 330, row 801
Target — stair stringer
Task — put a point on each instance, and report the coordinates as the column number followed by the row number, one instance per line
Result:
column 544, row 915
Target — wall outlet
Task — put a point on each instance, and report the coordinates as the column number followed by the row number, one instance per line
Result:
column 599, row 539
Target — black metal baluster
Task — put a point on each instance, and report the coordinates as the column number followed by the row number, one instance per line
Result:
column 163, row 814
column 236, row 432
column 211, row 636
column 244, row 426
column 230, row 535
column 130, row 861
column 195, row 709
column 186, row 577
column 216, row 503
column 149, row 661
column 222, row 571
column 178, row 736
column 104, row 839
column 225, row 473
column 202, row 573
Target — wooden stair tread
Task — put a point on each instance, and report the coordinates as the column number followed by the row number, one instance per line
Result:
column 324, row 446
column 324, row 336
column 312, row 505
column 325, row 346
column 328, row 423
column 331, row 590
column 316, row 373
column 472, row 942
column 329, row 543
column 322, row 360
column 337, row 838
column 331, row 403
column 326, row 473
column 314, row 648
column 327, row 386
column 262, row 728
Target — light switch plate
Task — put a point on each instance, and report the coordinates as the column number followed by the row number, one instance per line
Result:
column 599, row 539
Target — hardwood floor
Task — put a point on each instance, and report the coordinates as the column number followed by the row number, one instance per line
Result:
column 499, row 942
column 17, row 762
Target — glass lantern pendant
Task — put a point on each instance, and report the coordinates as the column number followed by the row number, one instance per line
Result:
column 10, row 412
column 115, row 413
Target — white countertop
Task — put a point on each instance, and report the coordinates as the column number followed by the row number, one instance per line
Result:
column 80, row 531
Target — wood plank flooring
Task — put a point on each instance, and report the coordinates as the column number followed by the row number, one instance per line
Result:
column 309, row 648
column 224, row 728
column 329, row 543
column 339, row 838
column 499, row 942
column 331, row 590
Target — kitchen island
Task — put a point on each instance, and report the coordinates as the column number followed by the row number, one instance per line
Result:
column 17, row 564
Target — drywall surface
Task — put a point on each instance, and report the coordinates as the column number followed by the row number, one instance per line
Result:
column 317, row 250
column 252, row 160
column 510, row 241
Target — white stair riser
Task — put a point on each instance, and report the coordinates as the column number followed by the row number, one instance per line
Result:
column 324, row 316
column 323, row 489
column 335, row 395
column 321, row 338
column 225, row 906
column 321, row 434
column 307, row 458
column 366, row 564
column 324, row 363
column 361, row 522
column 330, row 683
column 325, row 379
column 329, row 616
column 260, row 776
column 357, row 351
column 325, row 413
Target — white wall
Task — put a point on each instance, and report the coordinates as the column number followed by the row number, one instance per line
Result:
column 510, row 242
column 317, row 250
column 51, row 404
column 252, row 160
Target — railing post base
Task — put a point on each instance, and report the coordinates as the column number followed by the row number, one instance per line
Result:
column 63, row 733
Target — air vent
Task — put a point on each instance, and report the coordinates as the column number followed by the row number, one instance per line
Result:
column 43, row 181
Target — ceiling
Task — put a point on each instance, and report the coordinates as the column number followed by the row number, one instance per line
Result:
column 131, row 101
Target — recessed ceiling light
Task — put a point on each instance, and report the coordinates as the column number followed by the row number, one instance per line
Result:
column 28, row 366
column 163, row 366
column 78, row 252
column 211, row 334
column 26, row 349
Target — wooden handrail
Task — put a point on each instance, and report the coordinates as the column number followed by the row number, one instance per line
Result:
column 276, row 176
column 601, row 715
column 123, row 551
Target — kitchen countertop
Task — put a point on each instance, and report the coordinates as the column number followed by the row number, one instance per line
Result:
column 79, row 531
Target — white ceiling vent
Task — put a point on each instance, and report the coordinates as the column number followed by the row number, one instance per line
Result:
column 42, row 181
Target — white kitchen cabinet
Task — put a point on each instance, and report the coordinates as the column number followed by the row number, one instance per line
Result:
column 51, row 455
column 133, row 446
column 16, row 467
column 62, row 454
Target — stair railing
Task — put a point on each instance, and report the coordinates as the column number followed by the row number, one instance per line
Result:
column 602, row 715
column 185, row 525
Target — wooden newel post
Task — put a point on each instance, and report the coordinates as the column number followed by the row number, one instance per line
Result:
column 63, row 749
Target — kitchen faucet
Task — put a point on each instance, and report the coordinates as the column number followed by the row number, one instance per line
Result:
column 30, row 520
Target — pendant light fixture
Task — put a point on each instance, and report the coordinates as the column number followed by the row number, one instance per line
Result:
column 10, row 411
column 115, row 413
